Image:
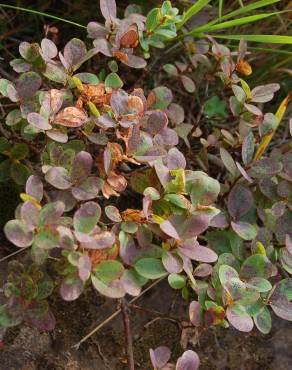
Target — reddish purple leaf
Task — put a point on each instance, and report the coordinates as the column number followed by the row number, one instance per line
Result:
column 49, row 49
column 18, row 233
column 192, row 249
column 96, row 30
column 238, row 318
column 87, row 189
column 240, row 201
column 45, row 322
column 39, row 122
column 169, row 229
column 108, row 9
column 195, row 225
column 34, row 187
column 58, row 177
column 84, row 267
column 27, row 85
column 195, row 313
column 156, row 122
column 175, row 159
column 29, row 214
column 188, row 361
column 81, row 166
column 71, row 289
column 203, row 270
column 160, row 356
column 74, row 52
column 173, row 264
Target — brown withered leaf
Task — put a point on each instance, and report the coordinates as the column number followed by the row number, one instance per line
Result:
column 189, row 335
column 71, row 117
column 116, row 153
column 108, row 191
column 56, row 100
column 130, row 38
column 151, row 99
column 117, row 182
column 135, row 104
column 123, row 57
column 243, row 67
column 118, row 156
column 99, row 255
column 95, row 94
column 133, row 215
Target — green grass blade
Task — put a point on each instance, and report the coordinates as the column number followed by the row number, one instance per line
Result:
column 220, row 8
column 36, row 12
column 267, row 50
column 232, row 23
column 267, row 39
column 194, row 9
column 250, row 7
column 240, row 11
column 239, row 21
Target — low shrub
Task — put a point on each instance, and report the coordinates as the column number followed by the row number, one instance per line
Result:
column 76, row 141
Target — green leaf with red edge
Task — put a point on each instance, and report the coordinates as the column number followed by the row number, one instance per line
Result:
column 86, row 217
column 188, row 84
column 245, row 230
column 59, row 177
column 256, row 265
column 82, row 165
column 150, row 268
column 238, row 318
column 18, row 233
column 46, row 239
column 263, row 320
column 114, row 289
column 160, row 98
column 203, row 189
column 107, row 271
column 226, row 273
column 281, row 298
column 113, row 213
column 51, row 213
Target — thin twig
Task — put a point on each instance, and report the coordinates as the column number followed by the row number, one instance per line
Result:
column 116, row 313
column 157, row 313
column 13, row 254
column 160, row 318
column 128, row 336
column 103, row 357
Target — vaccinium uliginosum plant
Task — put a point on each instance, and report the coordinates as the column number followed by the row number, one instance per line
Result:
column 87, row 141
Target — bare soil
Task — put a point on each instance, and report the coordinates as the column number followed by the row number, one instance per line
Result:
column 25, row 348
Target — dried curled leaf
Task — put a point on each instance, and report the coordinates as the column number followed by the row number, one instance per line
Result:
column 71, row 117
